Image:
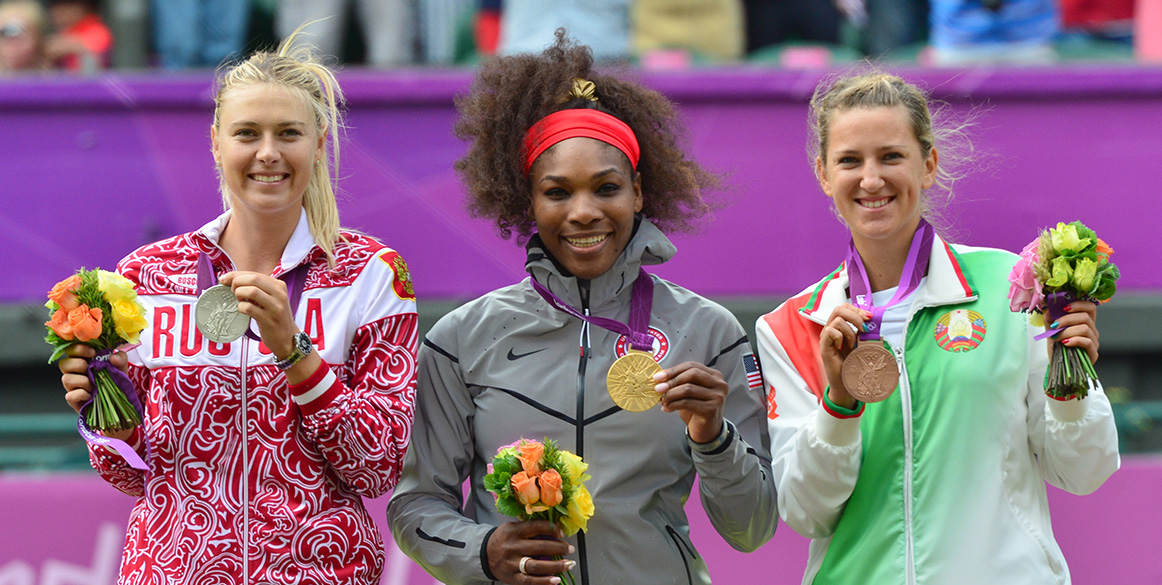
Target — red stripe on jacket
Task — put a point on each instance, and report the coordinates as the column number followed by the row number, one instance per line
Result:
column 799, row 338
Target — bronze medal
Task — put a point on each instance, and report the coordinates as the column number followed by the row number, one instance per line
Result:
column 631, row 381
column 870, row 372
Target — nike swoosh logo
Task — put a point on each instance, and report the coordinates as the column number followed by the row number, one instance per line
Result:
column 512, row 357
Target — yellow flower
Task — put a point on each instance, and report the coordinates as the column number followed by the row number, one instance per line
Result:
column 1084, row 274
column 1036, row 319
column 114, row 286
column 1065, row 238
column 580, row 510
column 574, row 467
column 128, row 319
column 1061, row 273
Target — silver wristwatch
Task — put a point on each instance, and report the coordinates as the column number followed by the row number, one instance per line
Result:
column 302, row 348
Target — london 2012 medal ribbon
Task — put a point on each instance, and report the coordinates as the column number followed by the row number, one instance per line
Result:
column 630, row 381
column 870, row 372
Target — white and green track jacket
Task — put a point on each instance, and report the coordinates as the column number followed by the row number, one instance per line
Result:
column 943, row 482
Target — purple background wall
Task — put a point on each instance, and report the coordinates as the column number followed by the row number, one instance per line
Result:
column 93, row 168
column 70, row 530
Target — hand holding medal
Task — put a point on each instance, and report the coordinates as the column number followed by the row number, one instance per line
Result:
column 217, row 313
column 869, row 371
column 698, row 394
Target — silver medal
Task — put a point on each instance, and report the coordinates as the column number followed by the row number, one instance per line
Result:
column 217, row 316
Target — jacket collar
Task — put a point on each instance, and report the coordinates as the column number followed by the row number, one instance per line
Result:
column 297, row 251
column 648, row 246
column 946, row 284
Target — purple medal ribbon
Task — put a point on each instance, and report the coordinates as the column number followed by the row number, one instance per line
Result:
column 640, row 304
column 914, row 268
column 101, row 362
column 295, row 280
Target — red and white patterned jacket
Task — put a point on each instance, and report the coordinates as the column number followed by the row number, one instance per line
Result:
column 281, row 501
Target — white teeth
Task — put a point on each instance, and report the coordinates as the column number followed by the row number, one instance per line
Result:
column 875, row 204
column 268, row 178
column 586, row 242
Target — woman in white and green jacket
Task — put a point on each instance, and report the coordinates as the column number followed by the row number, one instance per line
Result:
column 942, row 482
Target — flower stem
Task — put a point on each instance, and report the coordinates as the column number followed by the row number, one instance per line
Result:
column 1069, row 373
column 111, row 410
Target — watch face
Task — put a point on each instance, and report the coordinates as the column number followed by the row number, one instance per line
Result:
column 303, row 343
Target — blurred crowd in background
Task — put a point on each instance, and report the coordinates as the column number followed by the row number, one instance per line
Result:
column 87, row 36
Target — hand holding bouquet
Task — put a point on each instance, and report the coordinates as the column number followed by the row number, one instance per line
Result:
column 534, row 480
column 100, row 309
column 1064, row 264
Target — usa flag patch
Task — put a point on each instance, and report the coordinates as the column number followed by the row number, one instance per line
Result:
column 754, row 377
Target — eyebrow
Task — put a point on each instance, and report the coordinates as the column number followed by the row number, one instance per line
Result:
column 560, row 179
column 279, row 125
column 881, row 148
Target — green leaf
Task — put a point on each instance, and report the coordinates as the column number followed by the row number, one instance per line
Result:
column 496, row 482
column 507, row 464
column 1107, row 277
column 510, row 507
column 59, row 347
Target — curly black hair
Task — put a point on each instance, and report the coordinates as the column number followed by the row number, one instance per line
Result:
column 510, row 94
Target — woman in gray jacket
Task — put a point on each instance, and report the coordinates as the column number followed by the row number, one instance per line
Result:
column 586, row 169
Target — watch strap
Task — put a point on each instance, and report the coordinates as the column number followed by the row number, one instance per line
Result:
column 302, row 348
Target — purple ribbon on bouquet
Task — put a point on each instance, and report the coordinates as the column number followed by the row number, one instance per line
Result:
column 1055, row 304
column 101, row 362
column 640, row 304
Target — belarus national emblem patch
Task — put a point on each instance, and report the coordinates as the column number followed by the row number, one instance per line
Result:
column 960, row 330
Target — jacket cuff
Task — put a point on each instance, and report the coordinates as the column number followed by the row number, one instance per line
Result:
column 718, row 445
column 318, row 391
column 484, row 555
column 1067, row 411
column 837, row 432
column 838, row 411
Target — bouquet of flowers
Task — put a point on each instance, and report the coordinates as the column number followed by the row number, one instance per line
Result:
column 534, row 480
column 1064, row 264
column 101, row 309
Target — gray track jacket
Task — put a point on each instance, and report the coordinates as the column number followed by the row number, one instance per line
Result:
column 508, row 365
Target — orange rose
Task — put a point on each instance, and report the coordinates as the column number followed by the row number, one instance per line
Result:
column 526, row 490
column 62, row 293
column 60, row 325
column 550, row 482
column 1104, row 249
column 530, row 457
column 86, row 323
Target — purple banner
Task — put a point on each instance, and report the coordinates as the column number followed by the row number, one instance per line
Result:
column 93, row 168
column 49, row 534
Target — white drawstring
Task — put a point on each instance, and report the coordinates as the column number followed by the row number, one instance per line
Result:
column 245, row 469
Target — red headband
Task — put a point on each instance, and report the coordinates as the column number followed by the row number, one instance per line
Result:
column 582, row 122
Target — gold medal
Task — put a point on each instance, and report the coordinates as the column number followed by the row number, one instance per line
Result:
column 631, row 381
column 870, row 372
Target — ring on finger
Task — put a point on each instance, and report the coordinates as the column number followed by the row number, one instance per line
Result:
column 523, row 561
